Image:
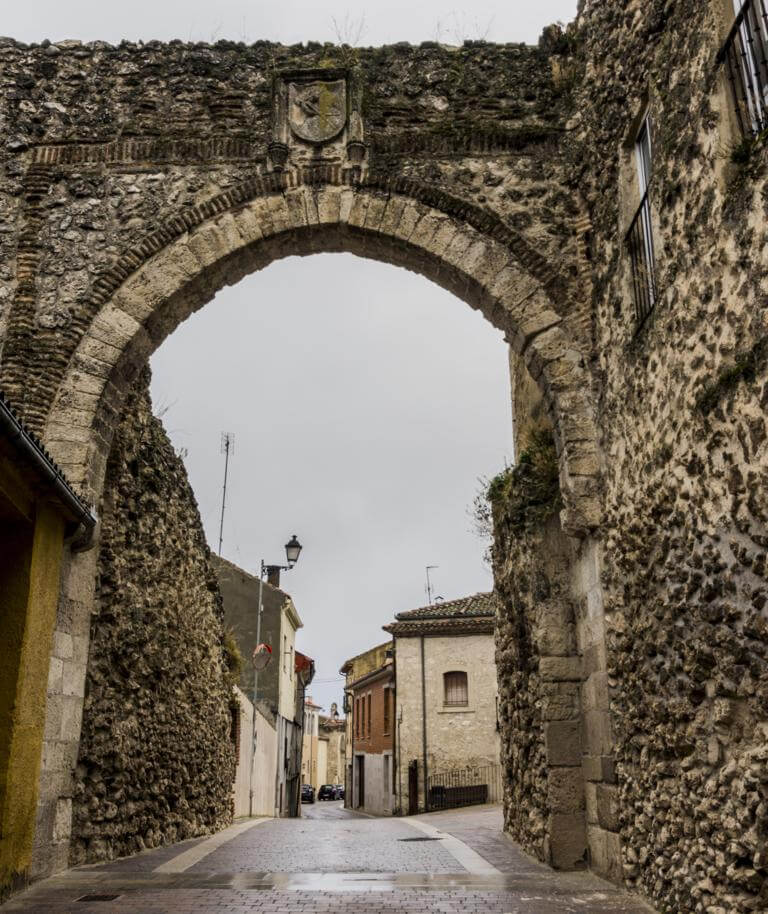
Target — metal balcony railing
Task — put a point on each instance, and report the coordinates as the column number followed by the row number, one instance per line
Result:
column 745, row 58
column 639, row 240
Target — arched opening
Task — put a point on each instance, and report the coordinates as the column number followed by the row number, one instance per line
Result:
column 182, row 264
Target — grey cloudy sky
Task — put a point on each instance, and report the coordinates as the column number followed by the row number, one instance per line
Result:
column 383, row 21
column 365, row 401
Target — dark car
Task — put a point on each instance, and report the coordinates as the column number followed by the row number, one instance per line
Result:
column 307, row 793
column 327, row 792
column 339, row 791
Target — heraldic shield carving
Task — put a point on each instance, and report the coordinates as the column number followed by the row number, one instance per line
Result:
column 317, row 111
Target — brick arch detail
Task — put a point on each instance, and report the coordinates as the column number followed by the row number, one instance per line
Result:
column 181, row 265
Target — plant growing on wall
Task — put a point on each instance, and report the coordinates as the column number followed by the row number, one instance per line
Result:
column 525, row 495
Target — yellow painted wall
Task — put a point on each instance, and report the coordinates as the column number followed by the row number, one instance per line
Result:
column 30, row 566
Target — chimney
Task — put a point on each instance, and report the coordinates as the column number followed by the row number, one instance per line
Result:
column 273, row 575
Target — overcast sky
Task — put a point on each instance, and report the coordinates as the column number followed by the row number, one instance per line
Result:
column 365, row 401
column 378, row 21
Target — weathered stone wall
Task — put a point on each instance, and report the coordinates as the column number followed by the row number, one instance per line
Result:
column 106, row 143
column 539, row 675
column 683, row 419
column 156, row 760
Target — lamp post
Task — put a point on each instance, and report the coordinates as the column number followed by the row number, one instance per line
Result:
column 292, row 551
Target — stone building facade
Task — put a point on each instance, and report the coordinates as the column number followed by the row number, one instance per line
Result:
column 136, row 180
column 445, row 683
column 277, row 683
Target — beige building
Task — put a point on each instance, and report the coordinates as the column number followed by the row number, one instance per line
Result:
column 333, row 731
column 313, row 763
column 447, row 736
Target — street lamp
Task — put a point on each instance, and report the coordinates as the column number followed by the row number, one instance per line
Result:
column 292, row 551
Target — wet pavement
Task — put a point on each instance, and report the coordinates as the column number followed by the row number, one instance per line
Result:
column 334, row 860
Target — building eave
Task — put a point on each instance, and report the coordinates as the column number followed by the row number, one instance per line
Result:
column 442, row 627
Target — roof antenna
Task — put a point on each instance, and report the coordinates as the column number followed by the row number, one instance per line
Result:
column 227, row 447
column 429, row 589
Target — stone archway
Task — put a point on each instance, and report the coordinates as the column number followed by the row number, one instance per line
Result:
column 180, row 274
column 196, row 170
column 184, row 265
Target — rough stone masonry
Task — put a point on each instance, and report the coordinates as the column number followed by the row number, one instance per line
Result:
column 136, row 180
column 156, row 762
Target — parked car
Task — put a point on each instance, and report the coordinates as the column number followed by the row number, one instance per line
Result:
column 339, row 791
column 307, row 793
column 327, row 792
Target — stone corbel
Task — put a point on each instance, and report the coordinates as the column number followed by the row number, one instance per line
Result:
column 356, row 148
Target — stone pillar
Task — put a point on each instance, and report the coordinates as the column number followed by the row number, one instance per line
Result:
column 598, row 764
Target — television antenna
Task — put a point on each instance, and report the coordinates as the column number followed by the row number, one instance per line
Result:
column 429, row 589
column 227, row 448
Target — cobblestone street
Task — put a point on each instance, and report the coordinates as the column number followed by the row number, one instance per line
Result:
column 334, row 860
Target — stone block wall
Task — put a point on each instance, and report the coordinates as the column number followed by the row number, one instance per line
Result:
column 540, row 673
column 156, row 761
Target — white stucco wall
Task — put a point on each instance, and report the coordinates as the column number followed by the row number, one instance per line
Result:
column 244, row 756
column 264, row 762
column 287, row 652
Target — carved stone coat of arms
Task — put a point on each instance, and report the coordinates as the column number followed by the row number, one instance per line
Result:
column 317, row 111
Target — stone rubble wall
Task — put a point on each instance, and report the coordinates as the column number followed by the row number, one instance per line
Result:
column 156, row 761
column 539, row 675
column 103, row 143
column 685, row 441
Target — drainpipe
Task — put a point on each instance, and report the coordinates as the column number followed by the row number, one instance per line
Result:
column 424, row 724
column 395, row 730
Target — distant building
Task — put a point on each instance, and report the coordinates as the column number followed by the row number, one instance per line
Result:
column 446, row 702
column 333, row 733
column 277, row 683
column 370, row 737
column 311, row 763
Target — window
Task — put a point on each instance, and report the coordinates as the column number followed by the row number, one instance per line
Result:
column 639, row 238
column 368, row 716
column 285, row 652
column 745, row 57
column 456, row 694
column 387, row 701
column 234, row 728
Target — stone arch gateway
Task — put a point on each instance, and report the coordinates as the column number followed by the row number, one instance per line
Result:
column 150, row 176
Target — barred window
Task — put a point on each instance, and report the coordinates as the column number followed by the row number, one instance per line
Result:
column 455, row 689
column 745, row 57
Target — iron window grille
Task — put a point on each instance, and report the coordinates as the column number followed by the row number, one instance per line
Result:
column 455, row 690
column 639, row 237
column 745, row 57
column 639, row 241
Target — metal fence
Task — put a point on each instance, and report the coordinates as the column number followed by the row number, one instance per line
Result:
column 464, row 787
column 639, row 240
column 745, row 57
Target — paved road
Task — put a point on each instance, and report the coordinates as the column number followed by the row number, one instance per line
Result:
column 333, row 861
